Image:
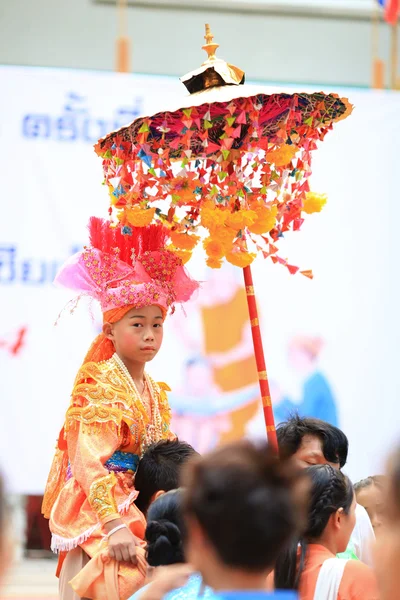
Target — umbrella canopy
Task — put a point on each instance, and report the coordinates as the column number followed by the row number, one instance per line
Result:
column 252, row 108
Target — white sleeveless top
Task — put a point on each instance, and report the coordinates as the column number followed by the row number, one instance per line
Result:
column 329, row 579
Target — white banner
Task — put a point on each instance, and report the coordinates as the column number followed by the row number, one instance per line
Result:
column 331, row 343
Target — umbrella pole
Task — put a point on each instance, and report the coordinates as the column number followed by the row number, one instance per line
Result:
column 260, row 360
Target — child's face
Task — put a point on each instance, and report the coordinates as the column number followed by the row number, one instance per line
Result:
column 371, row 498
column 138, row 336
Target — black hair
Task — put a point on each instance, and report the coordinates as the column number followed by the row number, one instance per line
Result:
column 160, row 469
column 164, row 531
column 242, row 496
column 335, row 444
column 330, row 490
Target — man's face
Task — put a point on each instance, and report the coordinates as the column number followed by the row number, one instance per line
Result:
column 310, row 453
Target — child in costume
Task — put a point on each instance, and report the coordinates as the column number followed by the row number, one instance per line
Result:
column 116, row 411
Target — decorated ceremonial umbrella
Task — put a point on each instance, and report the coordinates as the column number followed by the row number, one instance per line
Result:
column 232, row 160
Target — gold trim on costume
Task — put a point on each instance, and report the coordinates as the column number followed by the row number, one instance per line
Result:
column 250, row 290
column 92, row 413
column 110, row 397
column 101, row 497
column 254, row 323
column 262, row 375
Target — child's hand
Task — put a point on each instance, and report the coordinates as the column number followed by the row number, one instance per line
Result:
column 122, row 546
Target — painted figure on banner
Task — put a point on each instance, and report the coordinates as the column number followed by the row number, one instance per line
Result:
column 219, row 391
column 116, row 410
column 316, row 398
column 310, row 392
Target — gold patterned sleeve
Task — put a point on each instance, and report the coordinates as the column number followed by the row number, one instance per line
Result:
column 165, row 411
column 90, row 445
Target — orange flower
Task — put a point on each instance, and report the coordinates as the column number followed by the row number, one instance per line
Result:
column 314, row 202
column 214, row 248
column 185, row 196
column 241, row 219
column 240, row 258
column 212, row 215
column 184, row 255
column 184, row 241
column 282, row 155
column 184, row 189
column 139, row 217
column 214, row 263
column 266, row 219
column 223, row 234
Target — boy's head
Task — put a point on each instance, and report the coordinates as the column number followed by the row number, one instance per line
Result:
column 159, row 470
column 312, row 442
column 242, row 505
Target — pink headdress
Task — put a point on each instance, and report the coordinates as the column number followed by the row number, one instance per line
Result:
column 127, row 269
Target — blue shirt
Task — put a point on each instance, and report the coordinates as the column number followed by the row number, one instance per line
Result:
column 257, row 595
column 193, row 590
column 190, row 591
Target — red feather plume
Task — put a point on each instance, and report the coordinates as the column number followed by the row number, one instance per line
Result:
column 142, row 239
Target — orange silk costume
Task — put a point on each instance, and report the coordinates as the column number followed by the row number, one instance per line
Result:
column 104, row 417
column 107, row 427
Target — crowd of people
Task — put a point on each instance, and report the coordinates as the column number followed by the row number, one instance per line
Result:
column 243, row 522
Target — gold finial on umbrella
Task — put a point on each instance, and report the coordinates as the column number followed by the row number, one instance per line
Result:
column 214, row 72
column 210, row 47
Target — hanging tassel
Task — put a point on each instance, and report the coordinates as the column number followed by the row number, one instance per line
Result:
column 62, row 544
column 124, row 506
